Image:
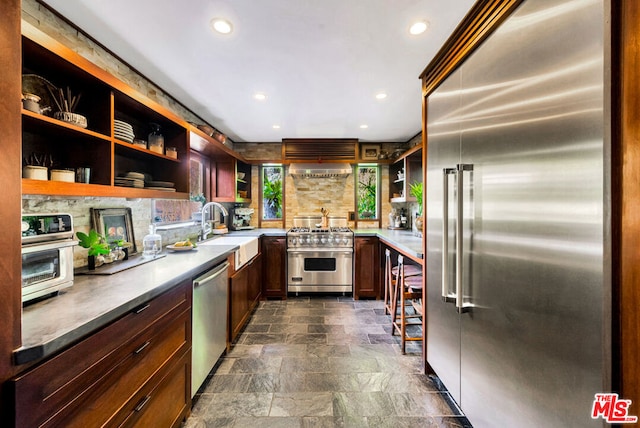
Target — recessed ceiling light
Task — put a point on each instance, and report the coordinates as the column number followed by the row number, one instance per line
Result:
column 381, row 96
column 418, row 27
column 221, row 25
column 276, row 126
column 364, row 126
column 260, row 96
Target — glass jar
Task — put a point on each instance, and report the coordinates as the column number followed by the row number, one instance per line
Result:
column 172, row 152
column 152, row 243
column 156, row 139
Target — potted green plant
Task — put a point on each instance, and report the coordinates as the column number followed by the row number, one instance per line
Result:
column 123, row 246
column 95, row 243
column 415, row 190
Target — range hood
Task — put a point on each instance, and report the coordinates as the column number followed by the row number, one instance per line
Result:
column 319, row 170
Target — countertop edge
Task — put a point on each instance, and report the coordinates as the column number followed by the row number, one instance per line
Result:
column 403, row 240
column 33, row 352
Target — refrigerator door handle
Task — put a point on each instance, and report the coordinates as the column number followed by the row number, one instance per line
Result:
column 447, row 296
column 459, row 172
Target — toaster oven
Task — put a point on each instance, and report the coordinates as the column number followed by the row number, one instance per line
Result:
column 47, row 254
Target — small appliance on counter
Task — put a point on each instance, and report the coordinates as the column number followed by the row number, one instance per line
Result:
column 47, row 254
column 241, row 218
column 398, row 220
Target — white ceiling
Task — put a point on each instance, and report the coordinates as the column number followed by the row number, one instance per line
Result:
column 320, row 62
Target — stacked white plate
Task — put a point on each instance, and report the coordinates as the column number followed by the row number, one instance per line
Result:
column 136, row 175
column 129, row 182
column 123, row 131
column 130, row 179
column 167, row 186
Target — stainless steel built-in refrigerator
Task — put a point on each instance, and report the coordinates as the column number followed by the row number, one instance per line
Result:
column 517, row 221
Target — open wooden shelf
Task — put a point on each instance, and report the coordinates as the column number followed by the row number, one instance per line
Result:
column 104, row 99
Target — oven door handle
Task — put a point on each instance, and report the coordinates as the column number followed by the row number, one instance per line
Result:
column 320, row 250
column 53, row 245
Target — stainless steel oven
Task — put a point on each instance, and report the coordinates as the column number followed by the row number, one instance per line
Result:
column 47, row 254
column 319, row 259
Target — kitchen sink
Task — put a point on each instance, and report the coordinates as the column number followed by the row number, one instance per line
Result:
column 248, row 247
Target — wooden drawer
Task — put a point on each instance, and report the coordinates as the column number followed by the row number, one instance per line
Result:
column 164, row 403
column 64, row 380
column 147, row 354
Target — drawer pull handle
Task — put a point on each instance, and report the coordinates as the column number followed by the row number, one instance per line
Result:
column 141, row 308
column 142, row 403
column 140, row 349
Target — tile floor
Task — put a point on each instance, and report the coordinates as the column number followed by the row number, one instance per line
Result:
column 321, row 362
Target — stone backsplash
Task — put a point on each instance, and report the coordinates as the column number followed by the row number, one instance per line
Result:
column 79, row 208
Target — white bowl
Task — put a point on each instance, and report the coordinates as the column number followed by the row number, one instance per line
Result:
column 35, row 172
column 72, row 118
column 63, row 175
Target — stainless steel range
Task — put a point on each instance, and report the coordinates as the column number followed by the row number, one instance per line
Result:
column 319, row 259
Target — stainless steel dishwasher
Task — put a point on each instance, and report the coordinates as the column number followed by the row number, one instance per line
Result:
column 209, row 322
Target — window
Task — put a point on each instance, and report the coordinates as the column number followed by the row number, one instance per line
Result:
column 272, row 199
column 367, row 196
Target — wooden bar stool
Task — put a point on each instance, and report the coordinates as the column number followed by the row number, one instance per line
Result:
column 389, row 282
column 406, row 290
column 409, row 270
column 390, row 275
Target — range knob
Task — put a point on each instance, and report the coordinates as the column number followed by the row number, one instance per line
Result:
column 345, row 241
column 315, row 240
column 308, row 240
column 323, row 240
column 294, row 241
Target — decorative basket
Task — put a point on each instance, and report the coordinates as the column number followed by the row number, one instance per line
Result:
column 72, row 118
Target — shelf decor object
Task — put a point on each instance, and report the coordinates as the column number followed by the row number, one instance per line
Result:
column 66, row 104
column 117, row 225
column 370, row 151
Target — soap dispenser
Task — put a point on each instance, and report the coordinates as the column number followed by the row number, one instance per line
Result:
column 152, row 243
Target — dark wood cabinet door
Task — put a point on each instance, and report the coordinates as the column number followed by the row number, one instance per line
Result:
column 255, row 281
column 274, row 267
column 238, row 302
column 90, row 383
column 367, row 268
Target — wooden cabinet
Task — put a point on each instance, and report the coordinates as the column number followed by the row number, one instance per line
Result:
column 229, row 178
column 407, row 169
column 244, row 294
column 225, row 184
column 136, row 368
column 274, row 267
column 243, row 185
column 367, row 268
column 102, row 100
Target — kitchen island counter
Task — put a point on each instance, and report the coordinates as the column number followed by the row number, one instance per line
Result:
column 97, row 300
column 402, row 240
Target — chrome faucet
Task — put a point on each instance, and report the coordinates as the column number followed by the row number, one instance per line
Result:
column 206, row 227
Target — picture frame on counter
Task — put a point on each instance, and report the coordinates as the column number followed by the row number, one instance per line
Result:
column 370, row 151
column 115, row 224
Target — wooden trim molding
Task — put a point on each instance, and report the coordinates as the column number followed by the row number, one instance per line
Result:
column 477, row 25
column 10, row 177
column 627, row 197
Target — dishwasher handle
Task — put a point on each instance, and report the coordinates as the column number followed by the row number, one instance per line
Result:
column 211, row 275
